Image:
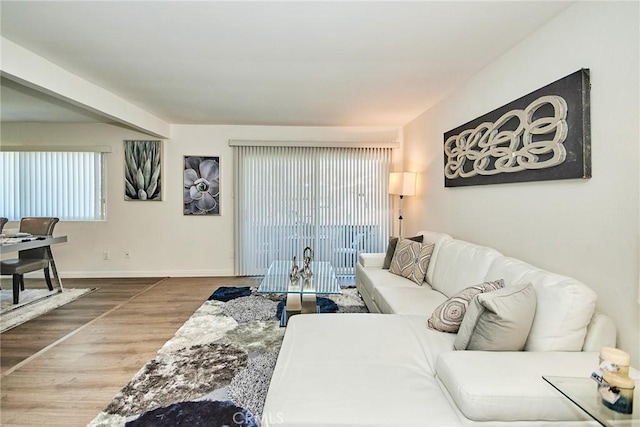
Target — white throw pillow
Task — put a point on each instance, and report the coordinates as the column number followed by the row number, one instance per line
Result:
column 498, row 320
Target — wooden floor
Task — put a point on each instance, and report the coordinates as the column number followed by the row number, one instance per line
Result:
column 64, row 367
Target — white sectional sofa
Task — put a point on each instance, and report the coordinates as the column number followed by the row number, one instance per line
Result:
column 388, row 368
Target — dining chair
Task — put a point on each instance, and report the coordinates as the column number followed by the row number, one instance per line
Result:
column 30, row 259
column 3, row 221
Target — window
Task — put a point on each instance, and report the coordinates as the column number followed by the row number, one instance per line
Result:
column 67, row 185
column 334, row 200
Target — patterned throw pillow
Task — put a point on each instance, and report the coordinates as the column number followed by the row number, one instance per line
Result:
column 391, row 249
column 411, row 260
column 448, row 316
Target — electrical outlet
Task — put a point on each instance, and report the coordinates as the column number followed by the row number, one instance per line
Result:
column 127, row 254
column 105, row 256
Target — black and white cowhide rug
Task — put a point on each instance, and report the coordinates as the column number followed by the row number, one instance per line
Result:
column 216, row 370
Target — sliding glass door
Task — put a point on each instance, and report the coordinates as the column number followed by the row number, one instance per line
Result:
column 334, row 200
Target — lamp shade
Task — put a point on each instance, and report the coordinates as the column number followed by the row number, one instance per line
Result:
column 402, row 183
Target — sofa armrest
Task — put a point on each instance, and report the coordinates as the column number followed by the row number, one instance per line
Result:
column 371, row 260
column 601, row 332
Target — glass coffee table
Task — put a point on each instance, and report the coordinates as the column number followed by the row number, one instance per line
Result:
column 584, row 393
column 302, row 295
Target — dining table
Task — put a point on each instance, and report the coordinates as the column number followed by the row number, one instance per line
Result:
column 17, row 244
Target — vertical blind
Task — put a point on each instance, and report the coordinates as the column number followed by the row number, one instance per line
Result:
column 334, row 200
column 67, row 185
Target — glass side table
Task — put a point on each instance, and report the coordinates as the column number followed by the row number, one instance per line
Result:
column 584, row 393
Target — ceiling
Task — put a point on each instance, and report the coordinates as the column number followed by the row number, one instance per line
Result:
column 265, row 63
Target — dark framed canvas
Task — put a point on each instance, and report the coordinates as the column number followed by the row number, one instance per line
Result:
column 201, row 185
column 545, row 135
column 143, row 170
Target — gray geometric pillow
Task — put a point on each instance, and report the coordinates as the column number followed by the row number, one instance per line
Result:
column 448, row 316
column 391, row 249
column 498, row 321
column 411, row 260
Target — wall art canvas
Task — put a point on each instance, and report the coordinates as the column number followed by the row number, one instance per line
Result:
column 201, row 185
column 143, row 170
column 545, row 135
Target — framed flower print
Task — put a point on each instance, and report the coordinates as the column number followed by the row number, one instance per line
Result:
column 201, row 185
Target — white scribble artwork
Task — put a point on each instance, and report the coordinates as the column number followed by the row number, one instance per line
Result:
column 534, row 143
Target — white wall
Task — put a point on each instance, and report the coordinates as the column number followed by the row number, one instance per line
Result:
column 587, row 229
column 161, row 240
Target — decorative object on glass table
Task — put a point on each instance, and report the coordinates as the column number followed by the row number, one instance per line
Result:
column 614, row 384
column 307, row 258
column 617, row 392
column 294, row 274
column 612, row 360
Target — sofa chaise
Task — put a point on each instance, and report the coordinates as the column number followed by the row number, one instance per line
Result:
column 390, row 368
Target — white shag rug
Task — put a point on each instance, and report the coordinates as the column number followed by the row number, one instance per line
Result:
column 34, row 303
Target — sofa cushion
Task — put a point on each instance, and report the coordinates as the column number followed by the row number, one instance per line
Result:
column 411, row 260
column 448, row 316
column 564, row 307
column 512, row 389
column 461, row 264
column 384, row 361
column 372, row 277
column 391, row 249
column 498, row 321
column 416, row 300
column 368, row 278
column 437, row 239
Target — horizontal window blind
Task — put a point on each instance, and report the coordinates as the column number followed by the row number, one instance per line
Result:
column 67, row 185
column 334, row 200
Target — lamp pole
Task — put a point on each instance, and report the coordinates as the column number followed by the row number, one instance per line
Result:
column 402, row 184
column 400, row 216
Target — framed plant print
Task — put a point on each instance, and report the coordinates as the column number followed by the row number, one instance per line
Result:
column 201, row 185
column 143, row 170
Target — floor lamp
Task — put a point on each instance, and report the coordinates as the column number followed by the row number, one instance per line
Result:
column 402, row 184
